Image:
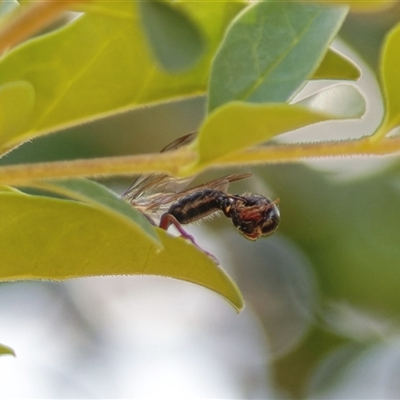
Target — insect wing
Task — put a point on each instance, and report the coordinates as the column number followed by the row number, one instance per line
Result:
column 181, row 141
column 163, row 200
column 154, row 193
column 149, row 192
column 147, row 185
column 220, row 184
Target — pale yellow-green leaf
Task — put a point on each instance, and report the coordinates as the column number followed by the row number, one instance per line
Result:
column 46, row 238
column 237, row 126
column 340, row 101
column 365, row 6
column 371, row 6
column 16, row 105
column 181, row 260
column 101, row 64
column 9, row 189
column 390, row 77
column 337, row 66
column 5, row 350
column 102, row 198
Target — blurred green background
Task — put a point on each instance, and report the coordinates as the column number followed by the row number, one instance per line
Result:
column 322, row 295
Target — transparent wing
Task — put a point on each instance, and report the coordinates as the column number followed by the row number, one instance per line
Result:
column 221, row 184
column 153, row 194
column 148, row 185
column 160, row 202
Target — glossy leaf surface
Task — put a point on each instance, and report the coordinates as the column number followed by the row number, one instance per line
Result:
column 237, row 126
column 176, row 41
column 100, row 64
column 337, row 66
column 270, row 50
column 98, row 195
column 16, row 105
column 390, row 61
column 46, row 238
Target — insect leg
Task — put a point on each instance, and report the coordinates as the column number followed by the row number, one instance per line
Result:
column 168, row 219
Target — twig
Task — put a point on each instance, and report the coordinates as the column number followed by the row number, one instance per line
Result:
column 175, row 161
column 30, row 20
column 297, row 152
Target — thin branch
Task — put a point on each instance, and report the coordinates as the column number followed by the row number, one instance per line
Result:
column 174, row 162
column 298, row 152
column 30, row 20
column 170, row 162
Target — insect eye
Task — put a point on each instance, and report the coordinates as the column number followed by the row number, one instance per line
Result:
column 247, row 227
column 271, row 222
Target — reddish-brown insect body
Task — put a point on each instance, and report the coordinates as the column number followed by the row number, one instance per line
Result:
column 253, row 215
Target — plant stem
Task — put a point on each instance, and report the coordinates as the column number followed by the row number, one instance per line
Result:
column 174, row 161
column 298, row 152
column 96, row 167
column 30, row 20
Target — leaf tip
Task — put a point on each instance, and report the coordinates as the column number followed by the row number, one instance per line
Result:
column 6, row 351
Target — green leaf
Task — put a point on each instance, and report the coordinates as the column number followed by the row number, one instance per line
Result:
column 340, row 101
column 10, row 189
column 98, row 195
column 236, row 126
column 371, row 6
column 16, row 106
column 7, row 6
column 47, row 238
column 347, row 362
column 101, row 64
column 270, row 50
column 176, row 41
column 348, row 230
column 337, row 66
column 181, row 260
column 390, row 60
column 5, row 350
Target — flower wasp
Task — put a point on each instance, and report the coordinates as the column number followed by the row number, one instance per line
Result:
column 160, row 194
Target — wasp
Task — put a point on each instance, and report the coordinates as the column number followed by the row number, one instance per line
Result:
column 253, row 215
